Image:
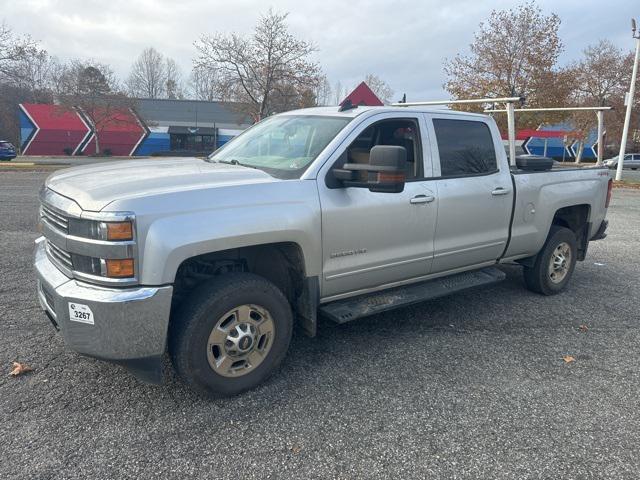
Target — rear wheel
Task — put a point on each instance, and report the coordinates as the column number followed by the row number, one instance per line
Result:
column 231, row 334
column 554, row 264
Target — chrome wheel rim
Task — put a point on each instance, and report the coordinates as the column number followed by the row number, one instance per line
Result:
column 560, row 262
column 240, row 340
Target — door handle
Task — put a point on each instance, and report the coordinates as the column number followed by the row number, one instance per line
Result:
column 500, row 191
column 422, row 199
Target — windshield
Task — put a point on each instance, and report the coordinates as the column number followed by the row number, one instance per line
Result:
column 283, row 146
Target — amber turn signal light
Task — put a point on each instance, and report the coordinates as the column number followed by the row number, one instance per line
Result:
column 121, row 268
column 119, row 231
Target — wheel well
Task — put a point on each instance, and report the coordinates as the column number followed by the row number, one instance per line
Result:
column 576, row 219
column 280, row 263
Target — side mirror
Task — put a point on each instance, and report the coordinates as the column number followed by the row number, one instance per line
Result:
column 385, row 171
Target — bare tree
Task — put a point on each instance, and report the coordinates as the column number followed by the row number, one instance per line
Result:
column 94, row 88
column 323, row 91
column 338, row 92
column 602, row 77
column 604, row 72
column 381, row 88
column 265, row 72
column 14, row 50
column 204, row 84
column 173, row 81
column 24, row 64
column 148, row 75
column 155, row 76
column 25, row 76
column 11, row 95
column 87, row 77
column 514, row 53
column 38, row 72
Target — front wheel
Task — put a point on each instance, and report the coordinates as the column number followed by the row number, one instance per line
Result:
column 554, row 264
column 231, row 334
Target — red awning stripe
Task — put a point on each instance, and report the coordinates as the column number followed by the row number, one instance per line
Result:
column 528, row 133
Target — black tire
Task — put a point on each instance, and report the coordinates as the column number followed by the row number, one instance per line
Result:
column 201, row 311
column 537, row 278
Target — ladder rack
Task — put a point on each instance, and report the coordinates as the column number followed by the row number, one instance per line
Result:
column 510, row 109
column 599, row 114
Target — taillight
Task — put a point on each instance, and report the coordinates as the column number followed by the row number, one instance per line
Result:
column 609, row 190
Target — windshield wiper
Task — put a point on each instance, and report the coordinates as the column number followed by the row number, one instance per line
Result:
column 233, row 161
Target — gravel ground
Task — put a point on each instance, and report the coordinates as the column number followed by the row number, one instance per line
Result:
column 469, row 386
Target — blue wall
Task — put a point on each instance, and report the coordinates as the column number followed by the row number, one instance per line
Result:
column 155, row 142
column 27, row 128
column 555, row 146
column 222, row 139
column 159, row 140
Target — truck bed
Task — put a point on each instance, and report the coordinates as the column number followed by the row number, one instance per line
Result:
column 539, row 195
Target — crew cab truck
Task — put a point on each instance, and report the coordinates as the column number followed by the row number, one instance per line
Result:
column 322, row 211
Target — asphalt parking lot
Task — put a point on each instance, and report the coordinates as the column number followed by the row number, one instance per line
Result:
column 470, row 386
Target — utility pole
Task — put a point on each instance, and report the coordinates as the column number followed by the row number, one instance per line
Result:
column 632, row 90
column 600, row 115
column 511, row 132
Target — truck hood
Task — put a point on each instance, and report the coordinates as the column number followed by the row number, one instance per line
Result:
column 93, row 187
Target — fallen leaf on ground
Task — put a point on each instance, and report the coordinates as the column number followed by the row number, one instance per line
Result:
column 583, row 328
column 296, row 449
column 568, row 359
column 20, row 369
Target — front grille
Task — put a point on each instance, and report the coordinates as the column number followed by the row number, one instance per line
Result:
column 59, row 255
column 70, row 240
column 55, row 219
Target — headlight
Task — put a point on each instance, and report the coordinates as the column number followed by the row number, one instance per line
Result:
column 119, row 268
column 110, row 258
column 117, row 231
column 100, row 267
column 101, row 230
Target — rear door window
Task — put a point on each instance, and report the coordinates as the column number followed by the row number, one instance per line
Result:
column 465, row 147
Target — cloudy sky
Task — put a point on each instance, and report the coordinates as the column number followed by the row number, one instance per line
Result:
column 402, row 41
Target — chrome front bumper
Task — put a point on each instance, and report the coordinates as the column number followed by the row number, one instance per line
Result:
column 130, row 324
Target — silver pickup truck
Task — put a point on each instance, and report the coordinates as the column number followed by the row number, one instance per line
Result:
column 311, row 212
